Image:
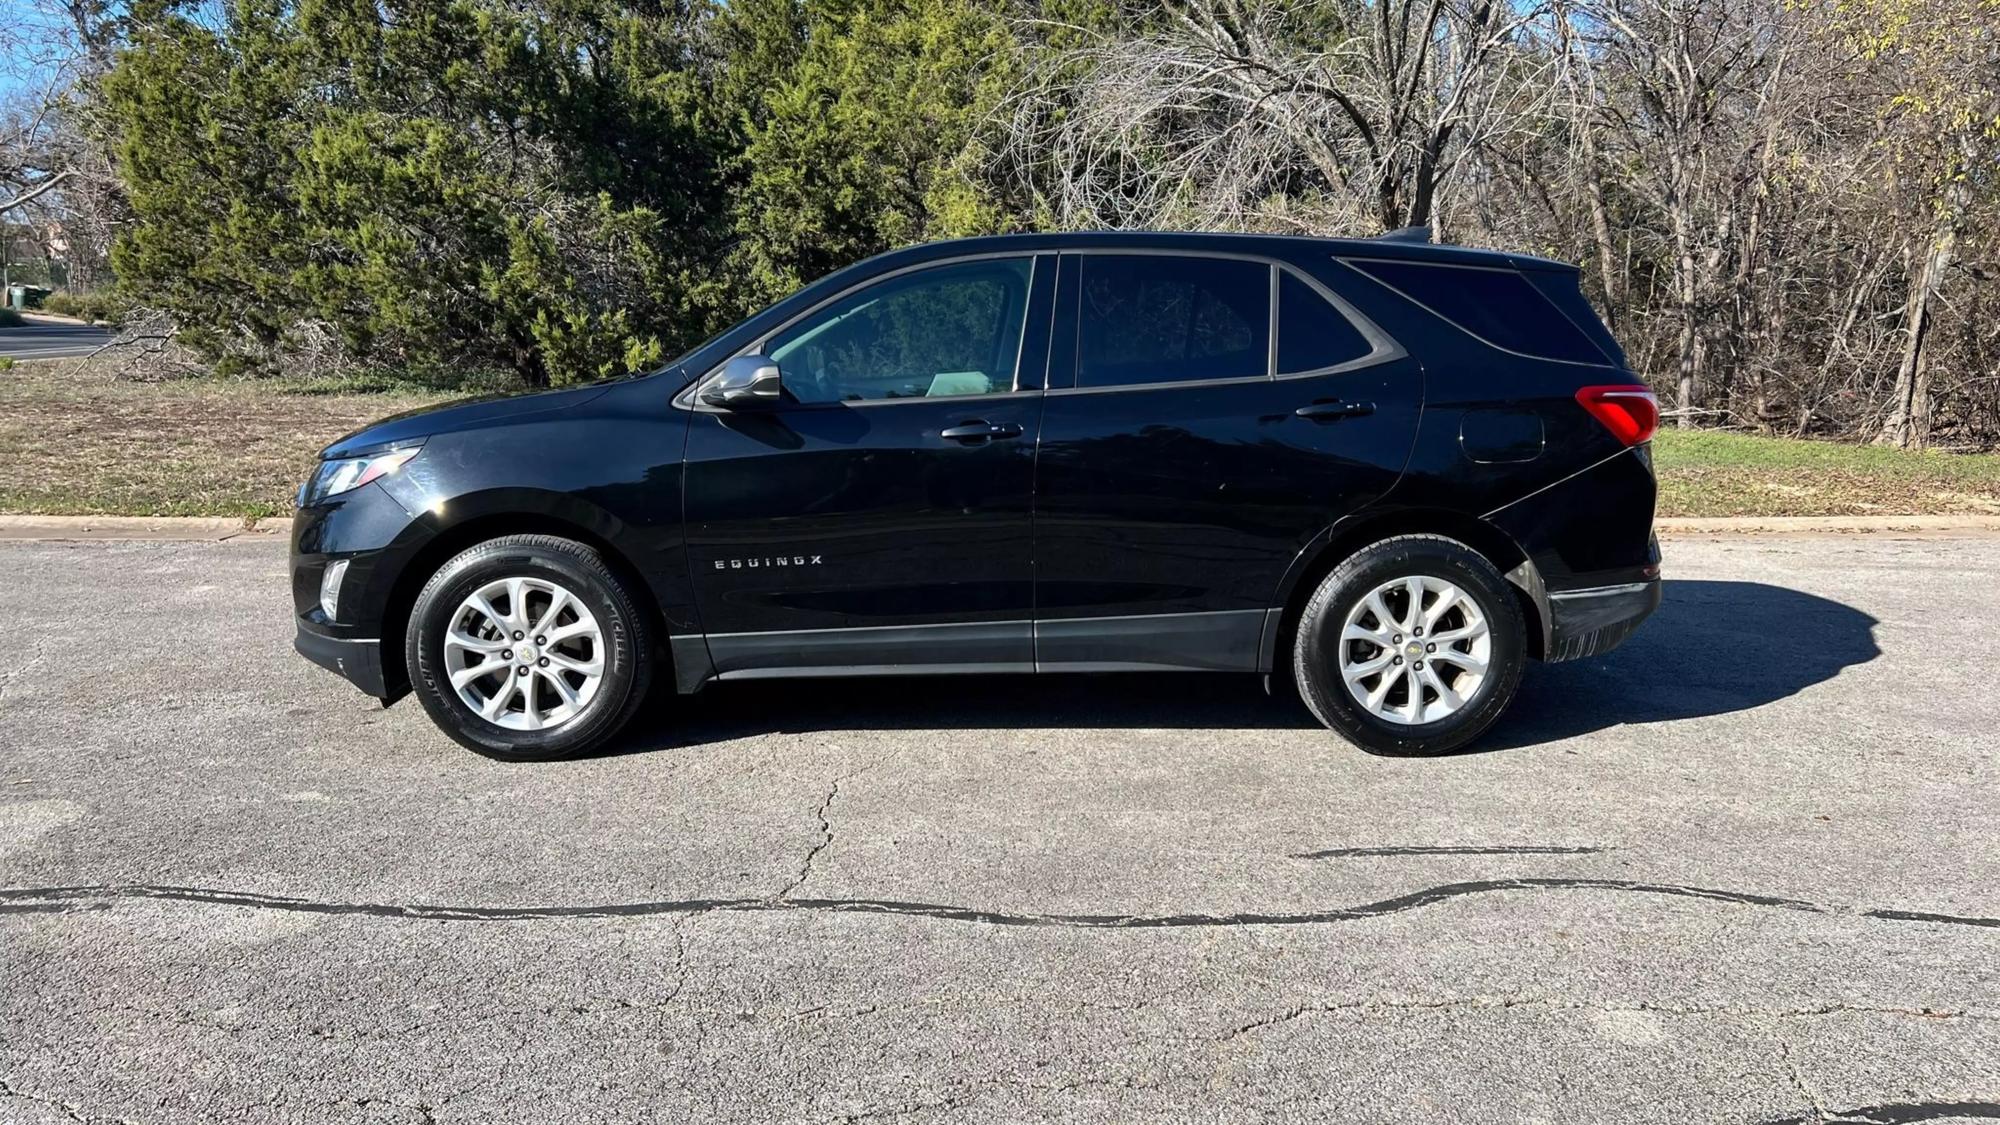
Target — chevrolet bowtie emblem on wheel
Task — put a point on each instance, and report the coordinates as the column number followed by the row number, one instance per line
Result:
column 770, row 560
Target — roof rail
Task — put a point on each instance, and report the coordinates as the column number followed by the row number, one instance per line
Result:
column 1407, row 234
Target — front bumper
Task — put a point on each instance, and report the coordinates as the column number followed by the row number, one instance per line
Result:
column 358, row 660
column 376, row 535
column 1591, row 622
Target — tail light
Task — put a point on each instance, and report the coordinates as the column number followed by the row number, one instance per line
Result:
column 1628, row 410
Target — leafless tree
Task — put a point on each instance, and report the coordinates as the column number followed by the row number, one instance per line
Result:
column 56, row 174
column 1786, row 210
column 1341, row 116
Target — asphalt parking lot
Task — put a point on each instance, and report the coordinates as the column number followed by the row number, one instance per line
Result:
column 1743, row 869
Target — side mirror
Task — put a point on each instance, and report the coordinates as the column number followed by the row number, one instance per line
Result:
column 748, row 382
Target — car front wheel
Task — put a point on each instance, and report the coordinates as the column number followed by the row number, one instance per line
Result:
column 1412, row 646
column 528, row 647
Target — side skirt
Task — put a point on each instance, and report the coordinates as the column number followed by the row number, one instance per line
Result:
column 984, row 646
column 1221, row 641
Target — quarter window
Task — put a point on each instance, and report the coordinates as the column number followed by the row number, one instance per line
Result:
column 1312, row 333
column 1497, row 306
column 1150, row 318
column 945, row 331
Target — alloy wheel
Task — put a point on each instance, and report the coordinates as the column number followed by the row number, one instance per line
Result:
column 1414, row 650
column 524, row 653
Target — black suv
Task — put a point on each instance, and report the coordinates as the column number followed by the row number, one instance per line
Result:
column 1390, row 470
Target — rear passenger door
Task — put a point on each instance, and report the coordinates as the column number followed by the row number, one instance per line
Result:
column 1207, row 417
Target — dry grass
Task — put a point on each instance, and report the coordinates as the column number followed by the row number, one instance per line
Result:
column 88, row 445
column 85, row 443
column 1710, row 473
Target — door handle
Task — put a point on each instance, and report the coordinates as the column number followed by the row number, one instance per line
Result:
column 1334, row 411
column 978, row 431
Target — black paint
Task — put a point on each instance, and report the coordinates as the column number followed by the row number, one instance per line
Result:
column 1199, row 495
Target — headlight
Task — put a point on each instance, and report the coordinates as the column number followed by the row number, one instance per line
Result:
column 350, row 473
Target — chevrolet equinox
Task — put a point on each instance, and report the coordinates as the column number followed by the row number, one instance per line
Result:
column 1388, row 470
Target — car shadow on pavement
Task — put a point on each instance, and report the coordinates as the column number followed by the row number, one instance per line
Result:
column 1162, row 700
column 1712, row 648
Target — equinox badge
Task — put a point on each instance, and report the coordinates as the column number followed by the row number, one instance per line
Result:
column 779, row 560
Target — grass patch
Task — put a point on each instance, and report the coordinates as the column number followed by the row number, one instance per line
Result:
column 74, row 445
column 82, row 444
column 1713, row 473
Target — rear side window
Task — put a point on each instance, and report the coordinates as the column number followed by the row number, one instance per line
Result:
column 1311, row 332
column 1151, row 318
column 1498, row 306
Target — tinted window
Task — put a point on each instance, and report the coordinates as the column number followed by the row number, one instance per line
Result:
column 1564, row 290
column 1148, row 318
column 1498, row 306
column 950, row 330
column 1312, row 333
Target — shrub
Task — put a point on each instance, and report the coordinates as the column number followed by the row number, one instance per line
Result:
column 107, row 307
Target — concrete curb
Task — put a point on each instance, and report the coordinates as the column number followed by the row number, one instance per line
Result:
column 167, row 529
column 163, row 529
column 1825, row 525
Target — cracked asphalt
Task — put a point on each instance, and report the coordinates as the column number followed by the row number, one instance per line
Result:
column 1741, row 870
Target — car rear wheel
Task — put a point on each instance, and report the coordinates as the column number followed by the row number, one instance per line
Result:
column 1412, row 646
column 528, row 647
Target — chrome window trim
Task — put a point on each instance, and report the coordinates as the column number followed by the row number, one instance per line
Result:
column 1271, row 318
column 689, row 397
column 1350, row 259
column 1191, row 384
column 1383, row 346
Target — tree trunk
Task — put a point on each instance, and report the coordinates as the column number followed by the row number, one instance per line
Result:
column 1909, row 420
column 527, row 360
column 1689, row 370
column 1600, row 231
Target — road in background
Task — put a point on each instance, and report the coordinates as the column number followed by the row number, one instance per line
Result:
column 1743, row 869
column 44, row 338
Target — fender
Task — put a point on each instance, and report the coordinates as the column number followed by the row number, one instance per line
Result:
column 653, row 556
column 1381, row 521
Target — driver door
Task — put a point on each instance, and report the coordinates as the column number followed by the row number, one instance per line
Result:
column 877, row 518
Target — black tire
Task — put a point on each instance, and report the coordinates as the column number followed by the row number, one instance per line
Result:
column 627, row 649
column 1316, row 649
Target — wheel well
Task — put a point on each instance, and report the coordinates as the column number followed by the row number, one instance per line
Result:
column 454, row 539
column 1475, row 533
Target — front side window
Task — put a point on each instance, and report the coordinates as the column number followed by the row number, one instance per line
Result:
column 1154, row 318
column 944, row 331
